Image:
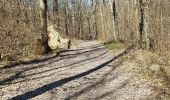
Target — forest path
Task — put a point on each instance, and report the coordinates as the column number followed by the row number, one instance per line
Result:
column 91, row 72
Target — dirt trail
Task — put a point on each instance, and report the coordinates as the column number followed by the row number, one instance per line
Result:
column 91, row 72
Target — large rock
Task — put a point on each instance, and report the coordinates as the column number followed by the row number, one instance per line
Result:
column 55, row 41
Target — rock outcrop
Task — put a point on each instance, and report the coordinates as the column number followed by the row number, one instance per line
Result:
column 55, row 41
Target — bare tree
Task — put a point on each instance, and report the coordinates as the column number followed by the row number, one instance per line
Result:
column 112, row 7
column 56, row 14
column 43, row 14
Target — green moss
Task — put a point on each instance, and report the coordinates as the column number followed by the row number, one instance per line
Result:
column 115, row 47
column 111, row 45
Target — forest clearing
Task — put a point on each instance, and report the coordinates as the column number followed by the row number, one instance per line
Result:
column 84, row 50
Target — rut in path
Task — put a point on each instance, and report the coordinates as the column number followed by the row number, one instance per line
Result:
column 88, row 72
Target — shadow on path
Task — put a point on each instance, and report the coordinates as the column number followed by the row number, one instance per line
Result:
column 102, row 80
column 123, row 84
column 39, row 60
column 19, row 74
column 28, row 62
column 48, row 87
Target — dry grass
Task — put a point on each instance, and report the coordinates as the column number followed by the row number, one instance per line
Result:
column 148, row 68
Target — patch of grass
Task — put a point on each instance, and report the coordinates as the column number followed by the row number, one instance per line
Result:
column 111, row 45
column 115, row 47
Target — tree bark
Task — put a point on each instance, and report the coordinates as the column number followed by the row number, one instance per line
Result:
column 141, row 24
column 112, row 8
column 66, row 17
column 43, row 16
column 56, row 12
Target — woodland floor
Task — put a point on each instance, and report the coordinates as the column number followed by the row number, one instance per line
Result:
column 90, row 72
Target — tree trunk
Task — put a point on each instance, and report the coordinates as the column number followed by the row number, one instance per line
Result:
column 141, row 24
column 43, row 16
column 56, row 14
column 66, row 17
column 112, row 8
